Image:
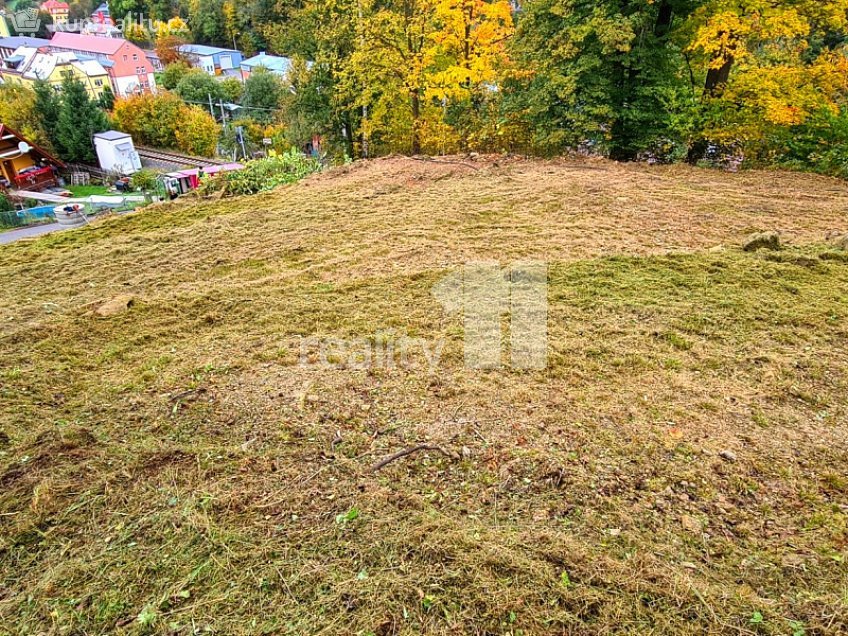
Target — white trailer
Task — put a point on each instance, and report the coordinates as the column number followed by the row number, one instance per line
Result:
column 116, row 152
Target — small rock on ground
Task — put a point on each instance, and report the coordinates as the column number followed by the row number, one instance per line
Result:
column 115, row 305
column 728, row 455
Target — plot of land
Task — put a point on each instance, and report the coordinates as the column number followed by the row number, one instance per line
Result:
column 168, row 466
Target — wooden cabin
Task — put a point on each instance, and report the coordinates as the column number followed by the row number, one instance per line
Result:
column 23, row 165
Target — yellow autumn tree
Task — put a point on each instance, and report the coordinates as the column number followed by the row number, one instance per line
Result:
column 423, row 58
column 197, row 133
column 471, row 38
column 763, row 69
column 175, row 27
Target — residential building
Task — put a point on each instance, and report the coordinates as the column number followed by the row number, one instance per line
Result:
column 58, row 10
column 101, row 24
column 29, row 64
column 23, row 165
column 155, row 62
column 9, row 45
column 212, row 59
column 101, row 15
column 274, row 63
column 129, row 70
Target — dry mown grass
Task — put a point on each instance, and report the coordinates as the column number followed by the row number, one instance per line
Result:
column 171, row 469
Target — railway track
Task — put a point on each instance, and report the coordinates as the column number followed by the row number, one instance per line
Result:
column 175, row 158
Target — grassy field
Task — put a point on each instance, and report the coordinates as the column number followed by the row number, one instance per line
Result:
column 87, row 190
column 681, row 466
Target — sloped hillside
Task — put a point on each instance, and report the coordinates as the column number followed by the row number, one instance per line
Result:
column 168, row 465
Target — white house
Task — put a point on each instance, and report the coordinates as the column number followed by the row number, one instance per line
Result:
column 213, row 59
column 116, row 152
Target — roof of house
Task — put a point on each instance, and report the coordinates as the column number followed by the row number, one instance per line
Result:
column 273, row 63
column 54, row 4
column 33, row 63
column 202, row 49
column 21, row 40
column 89, row 43
column 4, row 130
column 111, row 135
column 90, row 67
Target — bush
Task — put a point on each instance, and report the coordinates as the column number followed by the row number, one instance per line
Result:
column 144, row 179
column 820, row 144
column 266, row 174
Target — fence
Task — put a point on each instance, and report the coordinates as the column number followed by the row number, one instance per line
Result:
column 93, row 206
column 31, row 216
column 94, row 173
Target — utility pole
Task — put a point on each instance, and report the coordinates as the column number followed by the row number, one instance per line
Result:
column 211, row 107
column 221, row 104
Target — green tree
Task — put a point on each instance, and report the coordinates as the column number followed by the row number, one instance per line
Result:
column 207, row 22
column 107, row 99
column 232, row 89
column 118, row 9
column 326, row 98
column 79, row 119
column 48, row 105
column 199, row 88
column 263, row 94
column 605, row 73
column 174, row 72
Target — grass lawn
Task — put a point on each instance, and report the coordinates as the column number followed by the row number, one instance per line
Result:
column 678, row 468
column 87, row 190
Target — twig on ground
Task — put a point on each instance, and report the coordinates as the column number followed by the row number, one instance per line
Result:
column 409, row 451
column 186, row 393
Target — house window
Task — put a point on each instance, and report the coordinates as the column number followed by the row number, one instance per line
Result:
column 125, row 58
column 135, row 57
column 98, row 82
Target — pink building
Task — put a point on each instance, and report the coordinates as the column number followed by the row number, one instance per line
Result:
column 129, row 69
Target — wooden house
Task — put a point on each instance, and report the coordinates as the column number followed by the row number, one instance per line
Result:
column 23, row 165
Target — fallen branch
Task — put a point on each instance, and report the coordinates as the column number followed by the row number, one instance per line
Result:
column 409, row 451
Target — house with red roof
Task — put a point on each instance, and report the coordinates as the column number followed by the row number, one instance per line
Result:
column 128, row 67
column 58, row 10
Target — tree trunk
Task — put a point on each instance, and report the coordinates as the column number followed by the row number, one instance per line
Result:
column 415, row 100
column 717, row 76
column 348, row 130
column 665, row 16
